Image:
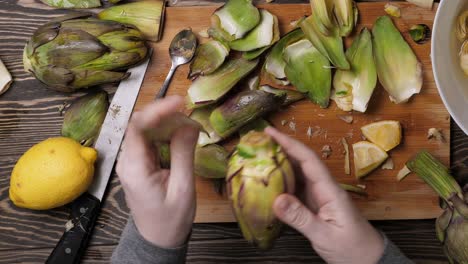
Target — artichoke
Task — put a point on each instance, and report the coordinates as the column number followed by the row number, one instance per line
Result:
column 78, row 51
column 258, row 172
column 82, row 121
column 452, row 225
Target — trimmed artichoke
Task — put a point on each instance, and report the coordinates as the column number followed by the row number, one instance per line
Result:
column 258, row 172
column 74, row 52
column 83, row 119
column 452, row 225
column 398, row 69
column 77, row 3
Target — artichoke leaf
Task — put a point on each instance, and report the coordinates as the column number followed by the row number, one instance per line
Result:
column 235, row 19
column 291, row 96
column 210, row 162
column 398, row 69
column 309, row 71
column 208, row 57
column 73, row 3
column 346, row 13
column 353, row 88
column 323, row 11
column 261, row 36
column 208, row 135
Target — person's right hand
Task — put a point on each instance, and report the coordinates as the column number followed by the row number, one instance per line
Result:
column 327, row 218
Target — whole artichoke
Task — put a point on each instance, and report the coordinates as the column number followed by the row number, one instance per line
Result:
column 258, row 172
column 78, row 51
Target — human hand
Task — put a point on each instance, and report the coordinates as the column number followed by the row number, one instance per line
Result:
column 162, row 202
column 328, row 218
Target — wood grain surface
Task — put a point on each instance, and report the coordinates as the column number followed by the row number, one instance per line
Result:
column 387, row 198
column 29, row 113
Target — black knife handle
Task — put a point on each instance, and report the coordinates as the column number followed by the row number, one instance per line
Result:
column 73, row 242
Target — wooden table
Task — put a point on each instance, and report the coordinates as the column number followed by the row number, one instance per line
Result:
column 29, row 113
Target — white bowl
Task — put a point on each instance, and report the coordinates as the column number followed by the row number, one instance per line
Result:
column 451, row 82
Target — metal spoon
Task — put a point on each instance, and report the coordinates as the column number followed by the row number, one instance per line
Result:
column 181, row 50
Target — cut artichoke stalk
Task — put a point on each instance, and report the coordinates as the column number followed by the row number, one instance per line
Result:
column 464, row 57
column 258, row 125
column 274, row 63
column 420, row 33
column 253, row 54
column 202, row 116
column 346, row 14
column 83, row 119
column 398, row 69
column 76, row 3
column 261, row 36
column 291, row 96
column 452, row 225
column 146, row 16
column 330, row 46
column 5, row 78
column 422, row 3
column 392, row 10
column 242, row 108
column 211, row 162
column 168, row 126
column 462, row 26
column 354, row 189
column 233, row 20
column 258, row 172
column 208, row 57
column 71, row 52
column 323, row 10
column 353, row 89
column 209, row 89
column 309, row 71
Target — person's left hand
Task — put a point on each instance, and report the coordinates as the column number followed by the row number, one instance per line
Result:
column 162, row 202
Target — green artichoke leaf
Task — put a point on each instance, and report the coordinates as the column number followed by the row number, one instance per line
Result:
column 202, row 116
column 323, row 11
column 236, row 18
column 346, row 14
column 209, row 89
column 259, row 37
column 398, row 69
column 242, row 108
column 274, row 63
column 123, row 40
column 73, row 3
column 146, row 16
column 208, row 57
column 330, row 46
column 253, row 54
column 83, row 119
column 353, row 88
column 93, row 26
column 309, row 71
column 88, row 78
column 211, row 161
column 253, row 183
column 291, row 95
column 116, row 60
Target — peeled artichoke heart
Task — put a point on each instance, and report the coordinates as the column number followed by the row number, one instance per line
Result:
column 242, row 108
column 274, row 63
column 202, row 116
column 260, row 36
column 330, row 46
column 353, row 88
column 208, row 57
column 258, row 172
column 464, row 57
column 398, row 69
column 83, row 119
column 146, row 16
column 291, row 96
column 452, row 225
column 234, row 19
column 209, row 89
column 72, row 53
column 211, row 161
column 346, row 13
column 309, row 71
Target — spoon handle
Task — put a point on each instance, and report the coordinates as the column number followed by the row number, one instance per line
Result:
column 166, row 83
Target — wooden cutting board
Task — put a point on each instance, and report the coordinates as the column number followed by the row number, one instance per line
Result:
column 387, row 199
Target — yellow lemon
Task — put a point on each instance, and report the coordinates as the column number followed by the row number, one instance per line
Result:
column 385, row 134
column 52, row 173
column 367, row 157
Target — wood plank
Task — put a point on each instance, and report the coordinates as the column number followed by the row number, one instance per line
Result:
column 388, row 199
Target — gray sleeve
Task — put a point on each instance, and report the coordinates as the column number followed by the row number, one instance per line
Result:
column 134, row 249
column 392, row 254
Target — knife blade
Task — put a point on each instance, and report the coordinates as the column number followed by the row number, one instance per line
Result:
column 85, row 209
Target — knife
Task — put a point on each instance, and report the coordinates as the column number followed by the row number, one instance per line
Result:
column 85, row 209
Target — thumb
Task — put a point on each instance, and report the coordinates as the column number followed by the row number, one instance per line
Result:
column 293, row 212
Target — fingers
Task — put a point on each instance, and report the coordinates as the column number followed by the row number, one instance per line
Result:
column 293, row 213
column 183, row 144
column 152, row 114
